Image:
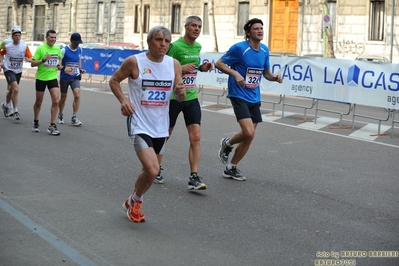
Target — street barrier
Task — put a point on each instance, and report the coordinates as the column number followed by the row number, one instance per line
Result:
column 273, row 103
column 218, row 95
column 298, row 102
column 374, row 113
column 335, row 108
column 393, row 112
column 346, row 82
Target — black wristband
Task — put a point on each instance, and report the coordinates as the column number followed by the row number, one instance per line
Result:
column 44, row 60
column 200, row 68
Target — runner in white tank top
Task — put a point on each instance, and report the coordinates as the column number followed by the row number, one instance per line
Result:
column 151, row 91
column 152, row 77
column 14, row 53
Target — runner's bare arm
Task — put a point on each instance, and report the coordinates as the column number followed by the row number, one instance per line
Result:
column 271, row 77
column 128, row 68
column 34, row 63
column 227, row 70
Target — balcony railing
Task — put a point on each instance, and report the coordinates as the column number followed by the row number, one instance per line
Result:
column 55, row 1
column 25, row 2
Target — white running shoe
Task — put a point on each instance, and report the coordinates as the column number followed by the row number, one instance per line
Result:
column 52, row 129
column 60, row 119
column 35, row 127
column 75, row 121
column 5, row 109
column 17, row 116
column 10, row 112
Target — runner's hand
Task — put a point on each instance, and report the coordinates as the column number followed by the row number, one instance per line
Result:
column 180, row 92
column 127, row 108
column 188, row 68
column 239, row 79
column 207, row 66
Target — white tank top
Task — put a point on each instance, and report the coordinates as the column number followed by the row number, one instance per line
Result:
column 150, row 95
column 14, row 58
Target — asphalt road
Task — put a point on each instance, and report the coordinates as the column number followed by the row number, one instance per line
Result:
column 309, row 196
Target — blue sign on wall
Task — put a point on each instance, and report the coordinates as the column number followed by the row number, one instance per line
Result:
column 104, row 61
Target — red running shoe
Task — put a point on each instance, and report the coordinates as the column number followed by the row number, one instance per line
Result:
column 134, row 212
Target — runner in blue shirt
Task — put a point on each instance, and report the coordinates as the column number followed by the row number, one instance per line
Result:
column 245, row 63
column 70, row 76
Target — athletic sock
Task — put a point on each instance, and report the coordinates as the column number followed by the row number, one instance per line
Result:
column 137, row 198
column 230, row 165
column 10, row 105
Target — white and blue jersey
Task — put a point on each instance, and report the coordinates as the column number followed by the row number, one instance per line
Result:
column 71, row 59
column 250, row 64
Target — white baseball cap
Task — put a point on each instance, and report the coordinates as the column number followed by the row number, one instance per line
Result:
column 16, row 29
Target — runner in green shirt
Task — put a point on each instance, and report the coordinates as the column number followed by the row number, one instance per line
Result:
column 187, row 54
column 187, row 51
column 47, row 58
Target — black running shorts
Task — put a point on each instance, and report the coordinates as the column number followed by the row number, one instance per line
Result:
column 42, row 84
column 244, row 109
column 143, row 141
column 191, row 112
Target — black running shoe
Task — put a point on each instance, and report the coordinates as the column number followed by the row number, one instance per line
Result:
column 234, row 173
column 159, row 178
column 194, row 183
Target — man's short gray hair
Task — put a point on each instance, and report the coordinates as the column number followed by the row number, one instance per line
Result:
column 156, row 29
column 191, row 18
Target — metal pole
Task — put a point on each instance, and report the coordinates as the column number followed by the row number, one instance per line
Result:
column 109, row 21
column 325, row 34
column 392, row 28
column 140, row 20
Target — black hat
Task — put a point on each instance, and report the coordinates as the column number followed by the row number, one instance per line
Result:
column 75, row 37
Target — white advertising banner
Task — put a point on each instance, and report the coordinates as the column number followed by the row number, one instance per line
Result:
column 214, row 78
column 359, row 82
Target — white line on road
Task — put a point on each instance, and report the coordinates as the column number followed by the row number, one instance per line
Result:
column 369, row 131
column 321, row 122
column 46, row 235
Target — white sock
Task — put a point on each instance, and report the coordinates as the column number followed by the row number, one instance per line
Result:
column 230, row 165
column 137, row 198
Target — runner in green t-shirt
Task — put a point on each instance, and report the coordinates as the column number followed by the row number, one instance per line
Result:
column 47, row 58
column 187, row 54
column 187, row 51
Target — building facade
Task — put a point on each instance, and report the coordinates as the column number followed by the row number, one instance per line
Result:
column 295, row 26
